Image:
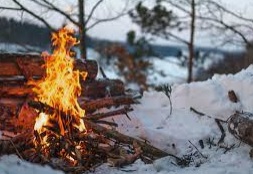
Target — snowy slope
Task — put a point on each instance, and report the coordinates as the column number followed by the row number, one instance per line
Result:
column 175, row 133
column 209, row 97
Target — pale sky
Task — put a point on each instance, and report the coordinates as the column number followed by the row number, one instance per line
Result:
column 116, row 30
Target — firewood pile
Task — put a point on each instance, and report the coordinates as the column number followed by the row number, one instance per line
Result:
column 78, row 151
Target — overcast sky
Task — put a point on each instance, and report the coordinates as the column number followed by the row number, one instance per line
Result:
column 123, row 25
column 116, row 30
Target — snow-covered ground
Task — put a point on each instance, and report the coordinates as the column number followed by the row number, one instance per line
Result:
column 179, row 132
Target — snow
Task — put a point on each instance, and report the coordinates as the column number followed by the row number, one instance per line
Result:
column 12, row 165
column 180, row 132
column 184, row 127
column 171, row 68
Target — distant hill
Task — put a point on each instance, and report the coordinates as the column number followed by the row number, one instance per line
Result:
column 25, row 33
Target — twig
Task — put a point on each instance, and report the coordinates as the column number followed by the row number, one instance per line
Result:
column 228, row 148
column 109, row 114
column 197, row 150
column 105, row 122
column 126, row 114
column 20, row 156
column 223, row 134
column 196, row 112
column 103, row 73
column 203, row 114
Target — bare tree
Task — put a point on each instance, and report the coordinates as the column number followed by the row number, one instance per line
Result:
column 169, row 18
column 80, row 18
column 162, row 22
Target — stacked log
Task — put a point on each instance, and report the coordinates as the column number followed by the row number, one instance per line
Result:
column 17, row 69
column 30, row 66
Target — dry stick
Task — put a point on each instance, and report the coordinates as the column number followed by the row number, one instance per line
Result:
column 218, row 121
column 109, row 114
column 197, row 149
column 223, row 134
column 103, row 73
column 202, row 114
column 109, row 133
column 197, row 112
column 105, row 122
column 20, row 156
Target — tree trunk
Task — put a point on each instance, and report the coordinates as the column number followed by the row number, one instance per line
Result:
column 191, row 44
column 82, row 30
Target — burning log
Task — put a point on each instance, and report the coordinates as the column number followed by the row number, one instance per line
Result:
column 90, row 89
column 31, row 65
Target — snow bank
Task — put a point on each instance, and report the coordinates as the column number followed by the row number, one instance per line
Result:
column 13, row 165
column 175, row 133
column 211, row 97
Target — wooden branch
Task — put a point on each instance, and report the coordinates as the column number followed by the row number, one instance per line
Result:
column 148, row 150
column 223, row 133
column 92, row 11
column 10, row 8
column 105, row 20
column 123, row 12
column 100, row 116
column 36, row 16
column 196, row 112
column 58, row 10
column 30, row 65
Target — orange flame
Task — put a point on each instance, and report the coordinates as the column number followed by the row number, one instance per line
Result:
column 60, row 87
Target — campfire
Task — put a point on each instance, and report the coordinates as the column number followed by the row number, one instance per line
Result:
column 58, row 120
column 60, row 89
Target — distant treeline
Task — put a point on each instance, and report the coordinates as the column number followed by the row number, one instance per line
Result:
column 23, row 33
column 26, row 33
